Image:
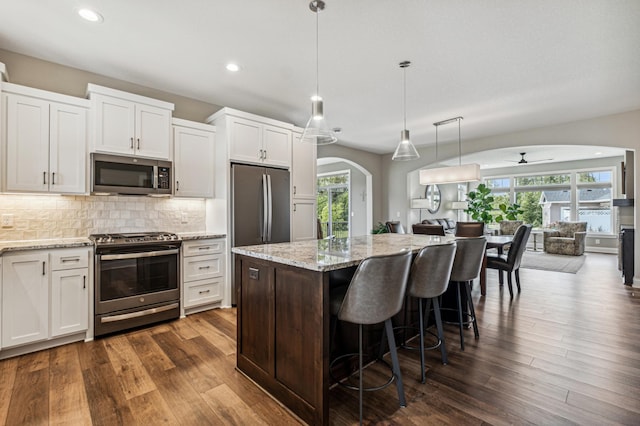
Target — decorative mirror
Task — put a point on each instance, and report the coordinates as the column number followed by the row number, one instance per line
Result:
column 432, row 194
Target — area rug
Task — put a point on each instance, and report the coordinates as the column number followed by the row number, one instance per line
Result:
column 552, row 262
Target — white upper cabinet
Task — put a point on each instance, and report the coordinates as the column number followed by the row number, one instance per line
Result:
column 46, row 141
column 194, row 145
column 130, row 124
column 303, row 168
column 255, row 139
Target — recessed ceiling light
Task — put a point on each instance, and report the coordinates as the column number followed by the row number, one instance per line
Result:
column 233, row 67
column 337, row 130
column 597, row 153
column 90, row 15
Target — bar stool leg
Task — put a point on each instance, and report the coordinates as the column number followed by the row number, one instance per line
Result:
column 422, row 339
column 395, row 363
column 361, row 390
column 472, row 310
column 460, row 323
column 443, row 349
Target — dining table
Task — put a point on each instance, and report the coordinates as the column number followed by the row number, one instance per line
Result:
column 498, row 242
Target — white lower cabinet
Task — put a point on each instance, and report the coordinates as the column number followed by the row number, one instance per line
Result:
column 45, row 295
column 203, row 273
column 25, row 298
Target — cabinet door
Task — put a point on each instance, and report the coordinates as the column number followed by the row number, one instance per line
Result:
column 68, row 149
column 303, row 168
column 303, row 220
column 245, row 140
column 69, row 301
column 25, row 299
column 153, row 132
column 277, row 146
column 27, row 144
column 194, row 160
column 114, row 125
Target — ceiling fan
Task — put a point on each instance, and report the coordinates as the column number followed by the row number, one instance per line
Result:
column 525, row 161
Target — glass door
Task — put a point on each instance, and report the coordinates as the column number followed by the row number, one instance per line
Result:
column 333, row 204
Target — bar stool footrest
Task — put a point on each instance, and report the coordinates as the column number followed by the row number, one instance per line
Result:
column 344, row 382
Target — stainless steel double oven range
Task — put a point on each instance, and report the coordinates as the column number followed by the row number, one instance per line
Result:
column 137, row 280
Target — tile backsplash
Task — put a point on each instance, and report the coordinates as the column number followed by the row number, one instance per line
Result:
column 55, row 216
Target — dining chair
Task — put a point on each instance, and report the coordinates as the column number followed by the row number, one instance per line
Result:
column 395, row 227
column 470, row 253
column 428, row 229
column 510, row 262
column 374, row 295
column 469, row 229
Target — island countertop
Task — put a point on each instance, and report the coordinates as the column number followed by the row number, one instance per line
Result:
column 330, row 254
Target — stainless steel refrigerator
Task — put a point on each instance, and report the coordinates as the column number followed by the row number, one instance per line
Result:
column 260, row 207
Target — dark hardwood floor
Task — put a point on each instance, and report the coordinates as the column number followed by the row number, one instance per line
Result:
column 564, row 351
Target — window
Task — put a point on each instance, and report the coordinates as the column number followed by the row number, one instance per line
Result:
column 581, row 195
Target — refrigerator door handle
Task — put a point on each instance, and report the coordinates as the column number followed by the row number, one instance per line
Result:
column 265, row 207
column 270, row 208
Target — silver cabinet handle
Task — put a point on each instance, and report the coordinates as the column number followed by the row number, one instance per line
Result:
column 204, row 291
column 84, row 281
column 294, row 190
column 53, row 178
column 43, row 268
column 204, row 248
column 138, row 143
column 70, row 259
column 265, row 155
column 131, row 144
column 260, row 154
column 294, row 207
column 204, row 267
column 44, row 178
column 177, row 185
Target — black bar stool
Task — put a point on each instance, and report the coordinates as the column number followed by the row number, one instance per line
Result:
column 375, row 294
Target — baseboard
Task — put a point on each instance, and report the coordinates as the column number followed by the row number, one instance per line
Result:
column 609, row 250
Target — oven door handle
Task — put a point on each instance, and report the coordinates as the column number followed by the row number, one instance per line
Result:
column 138, row 255
column 122, row 317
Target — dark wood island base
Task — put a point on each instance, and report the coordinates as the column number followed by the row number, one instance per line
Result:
column 283, row 313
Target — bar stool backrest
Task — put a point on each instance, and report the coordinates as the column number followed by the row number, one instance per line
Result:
column 430, row 271
column 377, row 289
column 469, row 257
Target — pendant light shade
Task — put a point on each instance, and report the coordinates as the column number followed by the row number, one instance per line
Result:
column 405, row 150
column 317, row 131
column 454, row 174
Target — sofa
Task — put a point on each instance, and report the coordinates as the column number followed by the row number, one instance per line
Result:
column 566, row 238
column 448, row 225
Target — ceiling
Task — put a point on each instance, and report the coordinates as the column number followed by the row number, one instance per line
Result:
column 503, row 65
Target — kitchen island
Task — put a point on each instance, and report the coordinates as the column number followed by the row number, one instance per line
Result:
column 283, row 293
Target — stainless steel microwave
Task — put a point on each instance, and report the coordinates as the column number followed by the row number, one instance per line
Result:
column 116, row 174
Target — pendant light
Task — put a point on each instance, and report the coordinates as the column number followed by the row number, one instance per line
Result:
column 405, row 150
column 453, row 174
column 317, row 131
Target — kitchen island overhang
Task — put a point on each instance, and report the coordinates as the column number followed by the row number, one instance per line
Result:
column 283, row 293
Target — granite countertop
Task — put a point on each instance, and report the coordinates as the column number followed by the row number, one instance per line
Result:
column 327, row 255
column 7, row 246
column 188, row 236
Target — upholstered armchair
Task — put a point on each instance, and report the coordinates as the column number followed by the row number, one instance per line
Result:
column 567, row 238
column 508, row 227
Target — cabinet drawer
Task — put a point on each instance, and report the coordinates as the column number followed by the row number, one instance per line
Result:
column 202, row 292
column 69, row 259
column 203, row 267
column 199, row 247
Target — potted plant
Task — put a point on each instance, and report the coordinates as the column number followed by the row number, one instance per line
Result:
column 381, row 228
column 480, row 204
column 509, row 212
